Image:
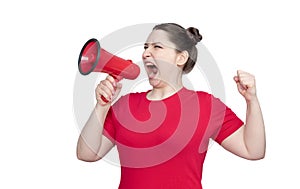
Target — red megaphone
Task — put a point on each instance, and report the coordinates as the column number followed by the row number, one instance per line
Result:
column 93, row 58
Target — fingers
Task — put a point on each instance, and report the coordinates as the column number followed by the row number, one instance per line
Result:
column 107, row 88
column 245, row 84
column 118, row 90
column 246, row 79
column 236, row 78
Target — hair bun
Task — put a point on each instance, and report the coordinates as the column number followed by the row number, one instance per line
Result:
column 194, row 34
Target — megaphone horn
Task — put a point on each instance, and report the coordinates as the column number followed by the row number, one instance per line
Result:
column 93, row 58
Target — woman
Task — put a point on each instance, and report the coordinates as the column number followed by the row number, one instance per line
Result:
column 162, row 134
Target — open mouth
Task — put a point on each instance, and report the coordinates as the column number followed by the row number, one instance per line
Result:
column 151, row 69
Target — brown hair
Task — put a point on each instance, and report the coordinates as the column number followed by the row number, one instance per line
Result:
column 184, row 39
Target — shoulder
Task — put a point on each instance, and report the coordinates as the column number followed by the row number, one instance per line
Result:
column 204, row 98
column 207, row 96
column 128, row 103
column 199, row 94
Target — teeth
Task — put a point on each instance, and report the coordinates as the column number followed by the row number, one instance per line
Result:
column 149, row 63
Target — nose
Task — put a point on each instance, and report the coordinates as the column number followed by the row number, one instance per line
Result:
column 146, row 53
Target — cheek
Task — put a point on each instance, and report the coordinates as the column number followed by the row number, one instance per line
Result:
column 164, row 56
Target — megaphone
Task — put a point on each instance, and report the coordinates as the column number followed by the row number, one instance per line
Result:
column 93, row 58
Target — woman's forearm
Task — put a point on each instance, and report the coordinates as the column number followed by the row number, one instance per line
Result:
column 89, row 141
column 254, row 133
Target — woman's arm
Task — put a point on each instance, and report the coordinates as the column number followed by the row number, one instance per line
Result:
column 249, row 141
column 92, row 145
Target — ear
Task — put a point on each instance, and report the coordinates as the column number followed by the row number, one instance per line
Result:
column 182, row 58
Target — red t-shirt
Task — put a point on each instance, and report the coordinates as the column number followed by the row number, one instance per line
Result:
column 162, row 144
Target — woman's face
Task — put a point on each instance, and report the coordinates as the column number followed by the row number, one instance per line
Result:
column 160, row 59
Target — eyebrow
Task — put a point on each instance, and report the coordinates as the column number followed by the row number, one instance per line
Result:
column 153, row 43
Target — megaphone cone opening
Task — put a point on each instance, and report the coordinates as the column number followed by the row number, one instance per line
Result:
column 89, row 56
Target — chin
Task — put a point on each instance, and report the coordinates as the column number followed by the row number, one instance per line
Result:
column 155, row 82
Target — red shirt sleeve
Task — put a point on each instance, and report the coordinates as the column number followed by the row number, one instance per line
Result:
column 223, row 119
column 230, row 124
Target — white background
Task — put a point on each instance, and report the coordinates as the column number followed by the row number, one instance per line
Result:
column 39, row 45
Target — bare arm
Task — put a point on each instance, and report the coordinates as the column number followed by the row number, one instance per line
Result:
column 91, row 141
column 249, row 141
column 92, row 145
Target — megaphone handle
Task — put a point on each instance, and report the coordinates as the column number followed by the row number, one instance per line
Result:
column 117, row 78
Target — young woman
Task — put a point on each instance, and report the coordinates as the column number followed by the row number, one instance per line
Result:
column 162, row 134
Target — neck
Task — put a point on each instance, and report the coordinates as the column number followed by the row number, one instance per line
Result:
column 167, row 86
column 164, row 92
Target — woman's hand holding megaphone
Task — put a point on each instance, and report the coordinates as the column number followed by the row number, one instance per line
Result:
column 108, row 90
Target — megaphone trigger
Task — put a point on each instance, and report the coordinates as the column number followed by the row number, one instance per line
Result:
column 104, row 99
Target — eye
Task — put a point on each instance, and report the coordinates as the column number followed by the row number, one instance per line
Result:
column 145, row 47
column 157, row 46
